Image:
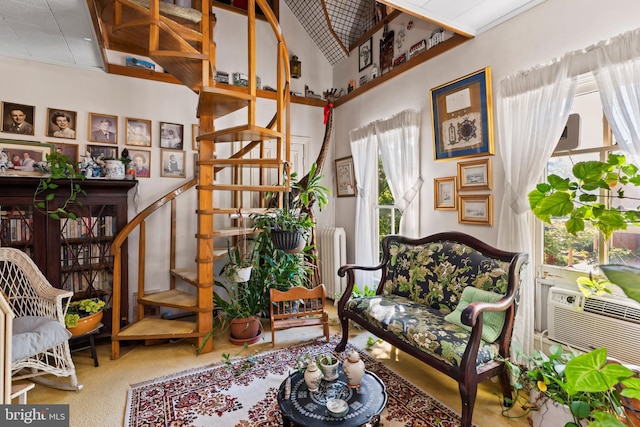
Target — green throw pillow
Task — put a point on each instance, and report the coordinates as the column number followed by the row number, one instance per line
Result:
column 493, row 321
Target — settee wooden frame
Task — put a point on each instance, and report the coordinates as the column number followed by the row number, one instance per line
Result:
column 467, row 374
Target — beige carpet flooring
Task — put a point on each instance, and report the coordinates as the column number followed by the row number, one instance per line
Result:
column 101, row 403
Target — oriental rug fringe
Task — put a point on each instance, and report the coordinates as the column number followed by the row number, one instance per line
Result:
column 243, row 393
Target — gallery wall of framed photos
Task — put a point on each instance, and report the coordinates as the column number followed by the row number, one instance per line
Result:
column 103, row 139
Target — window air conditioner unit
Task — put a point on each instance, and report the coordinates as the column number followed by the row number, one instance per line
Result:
column 589, row 323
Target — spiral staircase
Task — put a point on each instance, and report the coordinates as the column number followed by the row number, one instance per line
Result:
column 181, row 41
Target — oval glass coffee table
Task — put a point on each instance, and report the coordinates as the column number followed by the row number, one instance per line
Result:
column 308, row 409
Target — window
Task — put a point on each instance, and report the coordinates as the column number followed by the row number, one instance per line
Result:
column 588, row 249
column 387, row 214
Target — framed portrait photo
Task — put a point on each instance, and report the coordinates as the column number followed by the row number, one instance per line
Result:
column 61, row 123
column 345, row 177
column 474, row 175
column 104, row 151
column 173, row 163
column 141, row 161
column 444, row 190
column 195, row 133
column 69, row 150
column 171, row 135
column 103, row 128
column 475, row 209
column 138, row 132
column 22, row 155
column 365, row 54
column 462, row 117
column 18, row 118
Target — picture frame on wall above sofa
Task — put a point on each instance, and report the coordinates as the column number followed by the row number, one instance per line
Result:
column 195, row 132
column 462, row 117
column 474, row 175
column 61, row 123
column 345, row 177
column 18, row 118
column 103, row 128
column 475, row 209
column 444, row 190
column 138, row 132
column 365, row 54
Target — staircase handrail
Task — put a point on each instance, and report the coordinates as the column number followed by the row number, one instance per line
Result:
column 121, row 238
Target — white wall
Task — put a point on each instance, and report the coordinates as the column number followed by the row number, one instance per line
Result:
column 537, row 36
column 84, row 91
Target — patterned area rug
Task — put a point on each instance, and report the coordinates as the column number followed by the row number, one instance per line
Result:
column 237, row 395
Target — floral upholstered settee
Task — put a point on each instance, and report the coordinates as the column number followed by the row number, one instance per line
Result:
column 448, row 300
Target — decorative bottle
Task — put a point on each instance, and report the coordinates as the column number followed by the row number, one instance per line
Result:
column 312, row 376
column 353, row 369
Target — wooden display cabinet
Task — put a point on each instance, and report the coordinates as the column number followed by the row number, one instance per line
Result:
column 72, row 254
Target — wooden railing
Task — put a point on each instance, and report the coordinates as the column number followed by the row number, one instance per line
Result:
column 116, row 248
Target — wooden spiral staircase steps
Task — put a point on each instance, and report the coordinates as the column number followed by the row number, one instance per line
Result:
column 184, row 47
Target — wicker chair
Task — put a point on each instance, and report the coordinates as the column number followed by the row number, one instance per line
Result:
column 40, row 341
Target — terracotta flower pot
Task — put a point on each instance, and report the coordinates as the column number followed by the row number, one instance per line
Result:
column 87, row 324
column 245, row 330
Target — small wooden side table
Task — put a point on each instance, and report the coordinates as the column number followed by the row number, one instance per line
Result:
column 92, row 343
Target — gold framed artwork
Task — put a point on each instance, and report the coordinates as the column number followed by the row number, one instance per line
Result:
column 18, row 118
column 474, row 175
column 173, row 163
column 345, row 177
column 138, row 132
column 475, row 209
column 462, row 117
column 61, row 123
column 103, row 128
column 141, row 161
column 444, row 190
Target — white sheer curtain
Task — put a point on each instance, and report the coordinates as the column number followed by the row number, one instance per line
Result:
column 616, row 67
column 364, row 150
column 398, row 139
column 533, row 107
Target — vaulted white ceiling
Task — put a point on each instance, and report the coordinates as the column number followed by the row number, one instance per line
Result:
column 60, row 31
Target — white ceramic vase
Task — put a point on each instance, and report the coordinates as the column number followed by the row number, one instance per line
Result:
column 353, row 369
column 312, row 376
column 114, row 169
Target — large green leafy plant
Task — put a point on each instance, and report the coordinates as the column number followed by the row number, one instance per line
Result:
column 592, row 387
column 579, row 198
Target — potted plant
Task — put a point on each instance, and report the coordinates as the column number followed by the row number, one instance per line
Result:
column 84, row 315
column 239, row 266
column 290, row 225
column 581, row 388
column 57, row 170
column 244, row 303
column 328, row 365
column 578, row 199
